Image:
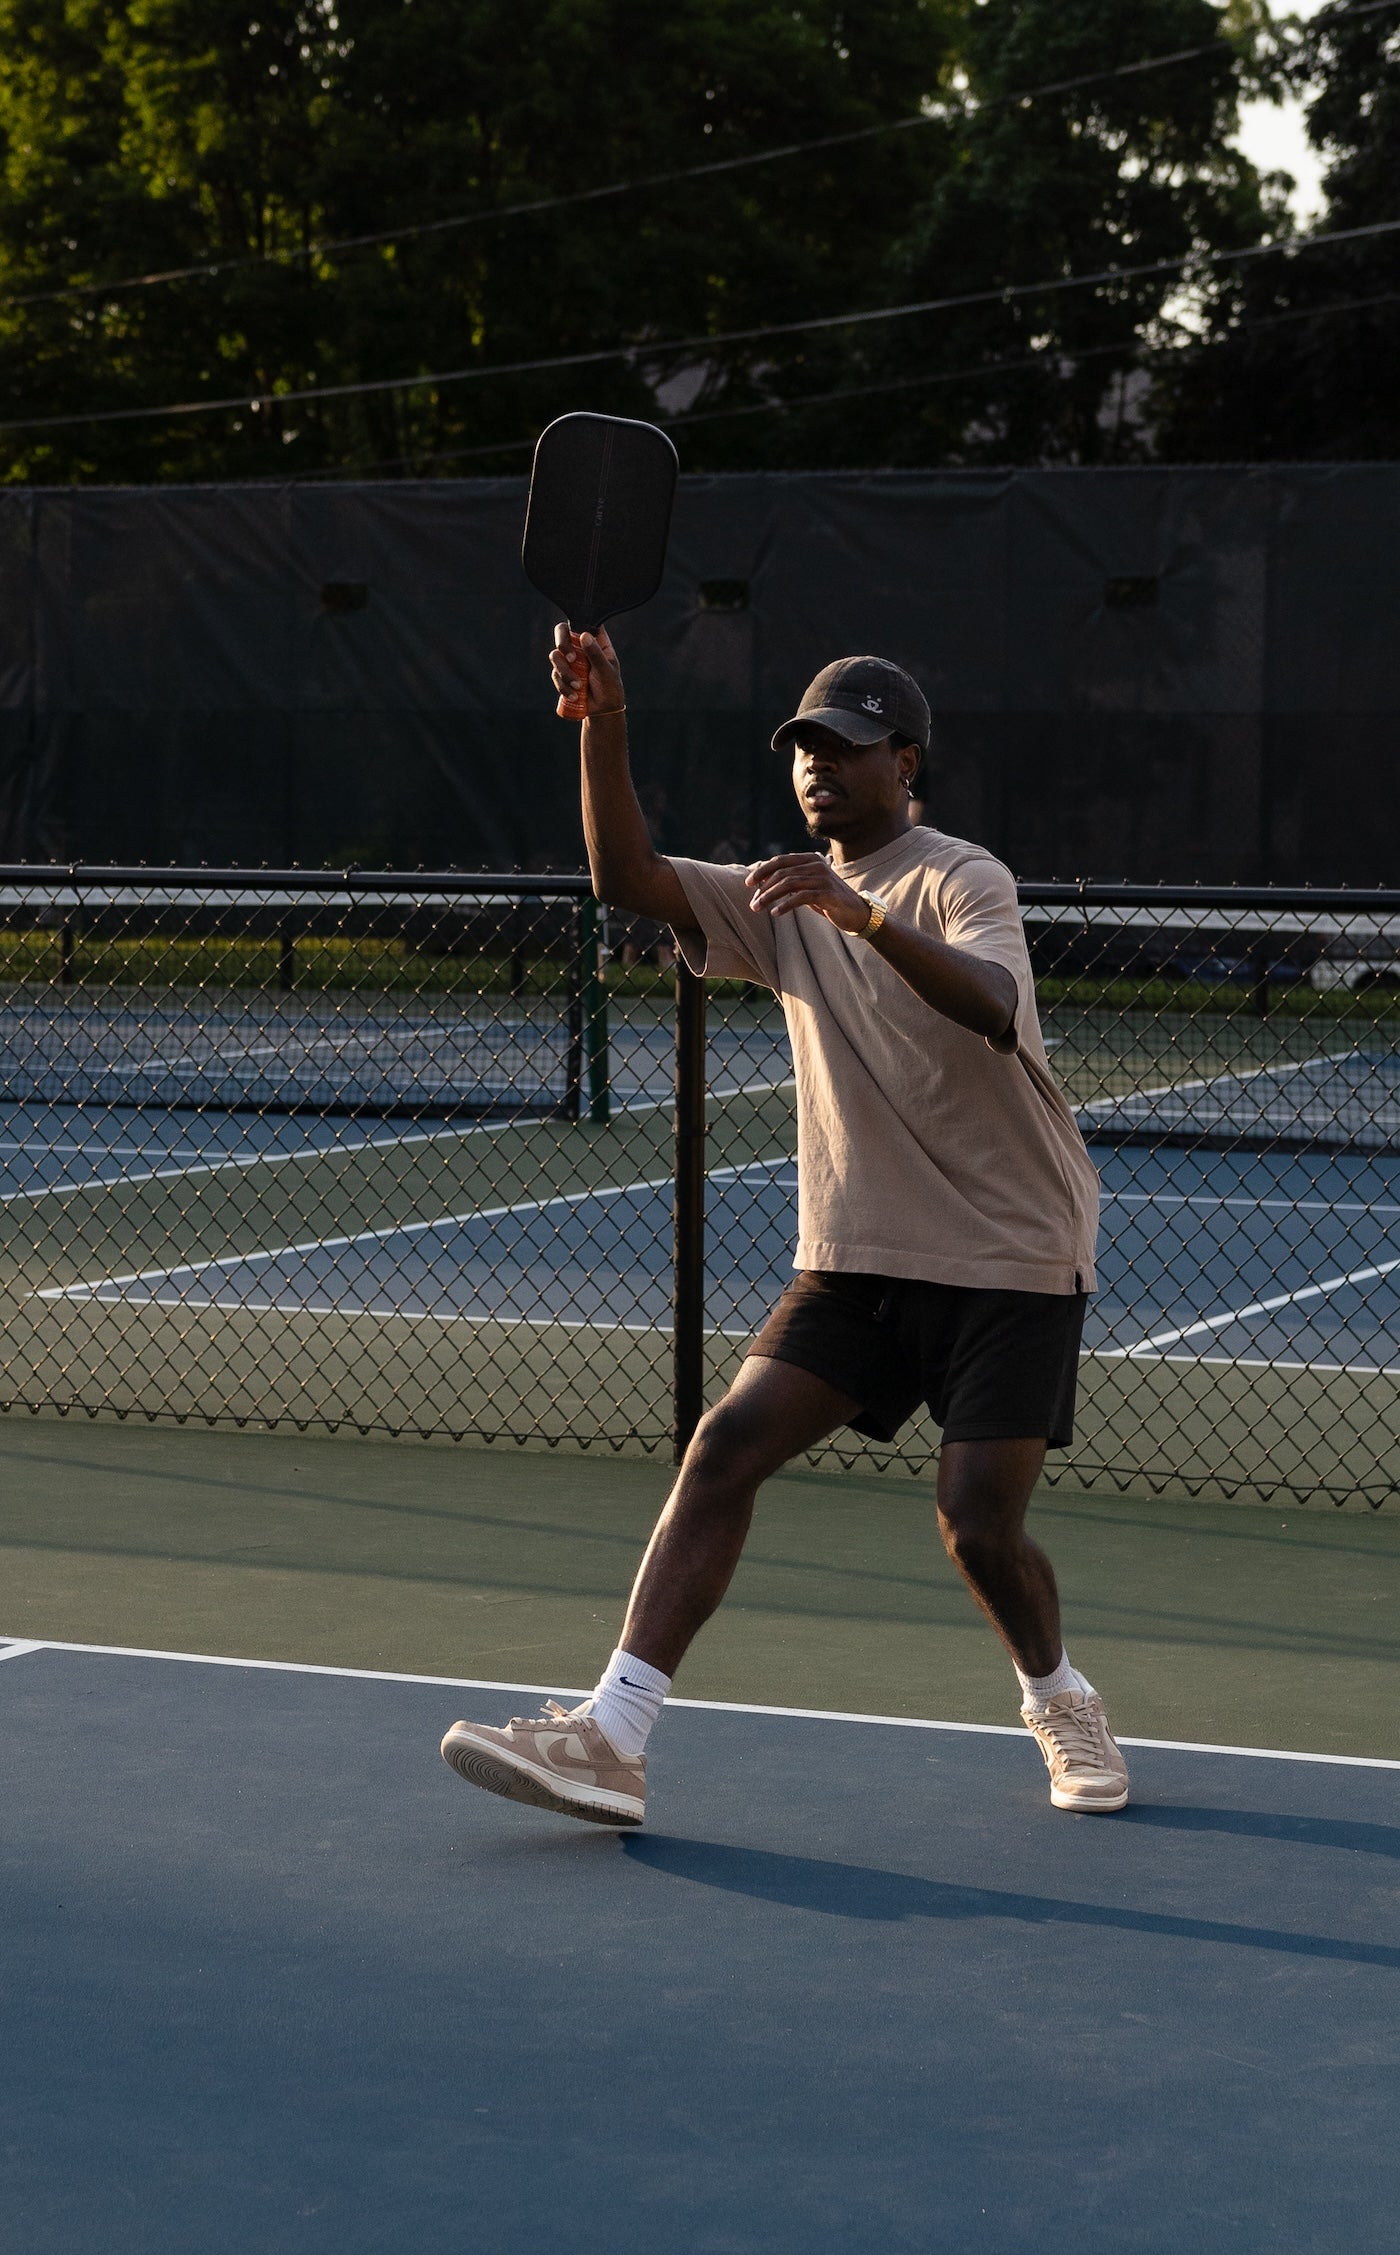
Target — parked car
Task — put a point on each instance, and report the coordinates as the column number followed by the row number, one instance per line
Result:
column 1372, row 960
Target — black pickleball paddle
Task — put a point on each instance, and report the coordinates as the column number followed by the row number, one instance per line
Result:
column 598, row 517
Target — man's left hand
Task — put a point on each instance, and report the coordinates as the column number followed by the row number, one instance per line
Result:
column 806, row 880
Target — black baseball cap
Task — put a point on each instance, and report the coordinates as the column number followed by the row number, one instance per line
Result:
column 862, row 699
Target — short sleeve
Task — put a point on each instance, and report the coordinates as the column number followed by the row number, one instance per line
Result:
column 980, row 912
column 738, row 943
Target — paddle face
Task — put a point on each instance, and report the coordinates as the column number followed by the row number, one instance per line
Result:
column 599, row 512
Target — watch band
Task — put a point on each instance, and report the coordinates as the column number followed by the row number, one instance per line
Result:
column 879, row 910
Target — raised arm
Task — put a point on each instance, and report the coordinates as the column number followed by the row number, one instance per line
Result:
column 627, row 870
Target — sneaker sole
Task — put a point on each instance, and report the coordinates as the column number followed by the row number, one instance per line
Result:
column 496, row 1772
column 1080, row 1807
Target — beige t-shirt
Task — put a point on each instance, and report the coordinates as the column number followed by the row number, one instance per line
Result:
column 923, row 1150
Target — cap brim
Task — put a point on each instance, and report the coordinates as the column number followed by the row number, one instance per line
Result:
column 857, row 728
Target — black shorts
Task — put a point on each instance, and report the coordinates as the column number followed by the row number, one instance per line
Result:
column 992, row 1366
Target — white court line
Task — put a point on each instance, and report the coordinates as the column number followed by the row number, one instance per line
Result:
column 33, row 1143
column 339, row 1244
column 348, row 1313
column 1147, row 1350
column 1214, row 1080
column 1259, row 1307
column 1258, row 1362
column 16, row 1647
column 600, row 1191
column 704, row 1706
column 1245, row 1203
column 711, row 1331
column 662, row 1324
column 329, row 1150
column 269, row 1158
column 721, row 1091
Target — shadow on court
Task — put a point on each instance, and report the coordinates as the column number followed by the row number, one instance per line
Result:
column 1309, row 1832
column 863, row 1892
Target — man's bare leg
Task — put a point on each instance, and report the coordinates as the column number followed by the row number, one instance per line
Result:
column 772, row 1412
column 984, row 1492
column 591, row 1763
column 984, row 1488
column 595, row 1767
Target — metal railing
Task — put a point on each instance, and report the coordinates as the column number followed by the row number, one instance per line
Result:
column 448, row 1155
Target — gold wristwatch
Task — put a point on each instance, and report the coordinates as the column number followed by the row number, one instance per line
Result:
column 879, row 910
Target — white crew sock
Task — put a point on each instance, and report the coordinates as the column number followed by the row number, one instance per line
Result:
column 628, row 1700
column 1064, row 1678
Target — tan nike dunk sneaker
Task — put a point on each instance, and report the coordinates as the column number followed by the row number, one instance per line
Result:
column 560, row 1760
column 1087, row 1769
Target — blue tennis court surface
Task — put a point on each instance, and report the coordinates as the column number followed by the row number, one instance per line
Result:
column 1231, row 1257
column 63, row 1146
column 1249, row 1257
column 46, row 1147
column 277, row 1981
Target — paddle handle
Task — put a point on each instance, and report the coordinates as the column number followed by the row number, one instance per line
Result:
column 575, row 706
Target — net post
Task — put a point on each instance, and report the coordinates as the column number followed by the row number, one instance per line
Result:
column 688, row 1336
column 573, row 1069
column 595, row 1011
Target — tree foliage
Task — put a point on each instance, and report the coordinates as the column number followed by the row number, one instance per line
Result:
column 1129, row 171
column 1301, row 349
column 142, row 136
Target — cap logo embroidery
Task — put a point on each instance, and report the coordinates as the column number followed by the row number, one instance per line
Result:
column 872, row 704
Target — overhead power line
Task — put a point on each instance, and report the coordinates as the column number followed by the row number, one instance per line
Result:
column 1003, row 294
column 332, row 245
column 926, row 380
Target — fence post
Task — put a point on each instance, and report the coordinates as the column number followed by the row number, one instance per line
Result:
column 688, row 1350
column 573, row 1063
column 595, row 1011
column 1259, row 956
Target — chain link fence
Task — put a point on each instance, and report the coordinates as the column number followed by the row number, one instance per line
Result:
column 457, row 1156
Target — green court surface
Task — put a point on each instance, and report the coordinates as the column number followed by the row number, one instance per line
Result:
column 1230, row 1624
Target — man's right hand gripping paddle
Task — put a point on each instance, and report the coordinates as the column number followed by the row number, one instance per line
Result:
column 587, row 674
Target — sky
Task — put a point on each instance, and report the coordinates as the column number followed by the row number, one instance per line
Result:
column 1273, row 136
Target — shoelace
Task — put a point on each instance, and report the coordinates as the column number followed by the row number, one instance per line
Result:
column 1074, row 1733
column 553, row 1713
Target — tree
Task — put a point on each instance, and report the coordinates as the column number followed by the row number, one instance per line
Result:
column 1299, row 355
column 145, row 135
column 1123, row 172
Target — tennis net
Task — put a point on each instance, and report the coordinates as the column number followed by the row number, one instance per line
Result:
column 1197, row 1018
column 294, row 993
column 1344, row 1102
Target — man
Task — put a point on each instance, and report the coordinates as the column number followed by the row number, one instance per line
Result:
column 947, row 1211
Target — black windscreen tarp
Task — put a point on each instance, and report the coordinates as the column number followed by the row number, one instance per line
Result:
column 1157, row 673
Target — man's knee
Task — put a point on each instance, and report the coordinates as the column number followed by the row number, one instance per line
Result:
column 981, row 1521
column 984, row 1492
column 732, row 1446
column 974, row 1543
